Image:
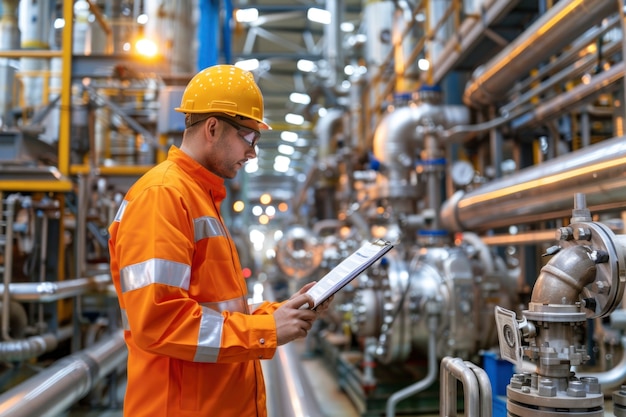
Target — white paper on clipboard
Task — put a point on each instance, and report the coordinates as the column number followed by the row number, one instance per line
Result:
column 347, row 270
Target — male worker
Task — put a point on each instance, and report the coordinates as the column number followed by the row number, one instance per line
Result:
column 193, row 344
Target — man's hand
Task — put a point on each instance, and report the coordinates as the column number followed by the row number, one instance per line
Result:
column 291, row 321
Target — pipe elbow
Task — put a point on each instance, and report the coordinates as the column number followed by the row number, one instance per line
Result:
column 563, row 278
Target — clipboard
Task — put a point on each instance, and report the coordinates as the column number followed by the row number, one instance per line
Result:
column 347, row 270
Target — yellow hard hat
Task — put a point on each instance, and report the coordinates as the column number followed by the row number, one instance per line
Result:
column 224, row 89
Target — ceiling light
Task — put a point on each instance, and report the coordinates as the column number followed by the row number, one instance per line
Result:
column 286, row 149
column 246, row 15
column 294, row 119
column 265, row 198
column 142, row 19
column 305, row 65
column 423, row 64
column 248, row 64
column 347, row 27
column 299, row 98
column 288, row 136
column 319, row 15
column 146, row 47
column 251, row 166
column 281, row 163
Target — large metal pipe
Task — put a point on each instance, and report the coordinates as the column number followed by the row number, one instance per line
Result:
column 563, row 278
column 545, row 191
column 472, row 29
column 33, row 346
column 55, row 290
column 59, row 386
column 289, row 392
column 401, row 134
column 550, row 33
column 572, row 99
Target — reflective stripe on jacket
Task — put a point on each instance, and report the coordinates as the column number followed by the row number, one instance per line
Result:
column 193, row 346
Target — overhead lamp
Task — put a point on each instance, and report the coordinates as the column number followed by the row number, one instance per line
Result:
column 142, row 19
column 251, row 166
column 248, row 64
column 286, row 149
column 281, row 163
column 305, row 65
column 246, row 15
column 299, row 98
column 423, row 64
column 288, row 136
column 319, row 15
column 347, row 27
column 146, row 47
column 294, row 119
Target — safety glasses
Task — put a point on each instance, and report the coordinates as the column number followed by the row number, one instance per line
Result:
column 250, row 136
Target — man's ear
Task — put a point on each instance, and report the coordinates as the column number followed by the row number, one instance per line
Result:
column 210, row 127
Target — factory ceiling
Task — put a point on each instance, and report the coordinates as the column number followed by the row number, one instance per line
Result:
column 283, row 35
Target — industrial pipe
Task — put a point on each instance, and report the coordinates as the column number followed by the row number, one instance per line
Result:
column 550, row 33
column 55, row 290
column 563, row 278
column 472, row 29
column 31, row 347
column 290, row 394
column 430, row 377
column 59, row 386
column 545, row 191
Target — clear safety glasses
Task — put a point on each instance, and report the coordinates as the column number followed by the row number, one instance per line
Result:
column 248, row 135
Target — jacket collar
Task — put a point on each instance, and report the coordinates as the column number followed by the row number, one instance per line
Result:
column 212, row 183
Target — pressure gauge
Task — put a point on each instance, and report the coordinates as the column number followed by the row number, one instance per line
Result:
column 462, row 173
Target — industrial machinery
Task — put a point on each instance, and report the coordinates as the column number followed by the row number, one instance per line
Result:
column 583, row 280
column 483, row 138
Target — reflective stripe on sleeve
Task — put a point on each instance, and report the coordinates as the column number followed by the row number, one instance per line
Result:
column 206, row 226
column 209, row 336
column 120, row 211
column 125, row 324
column 239, row 305
column 155, row 271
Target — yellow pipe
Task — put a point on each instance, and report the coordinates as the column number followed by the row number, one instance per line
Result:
column 32, row 53
column 33, row 186
column 66, row 88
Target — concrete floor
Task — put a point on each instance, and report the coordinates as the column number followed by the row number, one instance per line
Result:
column 332, row 399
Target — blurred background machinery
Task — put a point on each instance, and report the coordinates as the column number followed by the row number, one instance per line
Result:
column 484, row 138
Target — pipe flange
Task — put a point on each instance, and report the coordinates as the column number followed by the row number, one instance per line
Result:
column 556, row 313
column 604, row 294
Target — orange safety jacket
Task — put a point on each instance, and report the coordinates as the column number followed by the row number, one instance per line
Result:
column 193, row 346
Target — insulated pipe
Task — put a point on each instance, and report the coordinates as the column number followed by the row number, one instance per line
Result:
column 550, row 33
column 545, row 191
column 66, row 381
